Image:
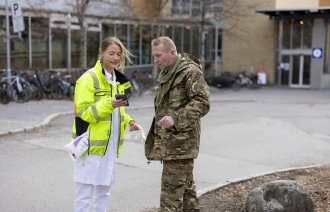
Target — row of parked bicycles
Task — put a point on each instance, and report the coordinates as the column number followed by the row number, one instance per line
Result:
column 23, row 86
column 235, row 82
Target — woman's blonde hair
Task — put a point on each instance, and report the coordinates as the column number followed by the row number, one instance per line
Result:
column 125, row 53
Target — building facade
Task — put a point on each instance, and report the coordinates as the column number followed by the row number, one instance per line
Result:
column 288, row 40
column 51, row 39
column 302, row 43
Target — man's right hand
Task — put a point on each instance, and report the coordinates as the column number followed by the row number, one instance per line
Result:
column 166, row 122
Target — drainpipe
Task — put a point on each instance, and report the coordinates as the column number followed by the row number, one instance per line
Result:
column 8, row 42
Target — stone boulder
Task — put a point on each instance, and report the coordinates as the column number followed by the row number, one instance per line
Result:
column 279, row 196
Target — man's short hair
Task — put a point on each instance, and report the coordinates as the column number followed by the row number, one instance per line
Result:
column 166, row 41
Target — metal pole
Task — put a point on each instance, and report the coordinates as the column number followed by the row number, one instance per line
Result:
column 85, row 46
column 216, row 50
column 30, row 43
column 279, row 54
column 69, row 41
column 50, row 51
column 8, row 42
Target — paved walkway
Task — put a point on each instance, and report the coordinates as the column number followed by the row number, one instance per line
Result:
column 21, row 117
column 246, row 133
column 17, row 117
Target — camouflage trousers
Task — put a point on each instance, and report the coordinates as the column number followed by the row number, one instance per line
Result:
column 178, row 190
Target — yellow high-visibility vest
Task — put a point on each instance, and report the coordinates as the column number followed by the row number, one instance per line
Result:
column 93, row 108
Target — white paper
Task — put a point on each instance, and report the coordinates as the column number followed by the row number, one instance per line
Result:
column 78, row 146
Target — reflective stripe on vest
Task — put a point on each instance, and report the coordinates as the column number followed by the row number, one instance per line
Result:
column 95, row 144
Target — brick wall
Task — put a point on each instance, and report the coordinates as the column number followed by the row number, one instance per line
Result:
column 145, row 8
column 248, row 38
column 324, row 3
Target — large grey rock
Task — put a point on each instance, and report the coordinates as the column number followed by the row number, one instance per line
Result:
column 279, row 196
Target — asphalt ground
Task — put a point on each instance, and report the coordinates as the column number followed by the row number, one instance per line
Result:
column 246, row 133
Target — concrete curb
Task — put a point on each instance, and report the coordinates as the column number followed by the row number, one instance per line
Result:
column 43, row 124
column 49, row 119
column 204, row 191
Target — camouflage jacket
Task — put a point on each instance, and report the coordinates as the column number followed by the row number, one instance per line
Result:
column 183, row 94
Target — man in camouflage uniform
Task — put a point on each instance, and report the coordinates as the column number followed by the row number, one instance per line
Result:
column 181, row 99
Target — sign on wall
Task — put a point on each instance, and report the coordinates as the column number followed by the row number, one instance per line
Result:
column 317, row 53
column 18, row 21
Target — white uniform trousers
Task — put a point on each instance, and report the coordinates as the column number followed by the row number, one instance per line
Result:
column 91, row 196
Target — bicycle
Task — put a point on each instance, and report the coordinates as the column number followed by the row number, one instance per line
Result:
column 68, row 84
column 53, row 88
column 17, row 88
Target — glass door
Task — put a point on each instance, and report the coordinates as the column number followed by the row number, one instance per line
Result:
column 300, row 72
column 306, row 73
column 285, row 67
column 295, row 72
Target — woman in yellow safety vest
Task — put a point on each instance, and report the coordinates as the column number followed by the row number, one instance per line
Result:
column 102, row 115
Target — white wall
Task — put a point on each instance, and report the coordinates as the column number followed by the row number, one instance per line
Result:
column 290, row 4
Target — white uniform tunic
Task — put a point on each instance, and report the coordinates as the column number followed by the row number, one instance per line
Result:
column 96, row 169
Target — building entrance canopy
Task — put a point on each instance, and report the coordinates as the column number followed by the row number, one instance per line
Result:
column 311, row 12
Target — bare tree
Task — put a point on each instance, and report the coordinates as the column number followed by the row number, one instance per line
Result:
column 81, row 7
column 214, row 12
column 160, row 6
column 151, row 9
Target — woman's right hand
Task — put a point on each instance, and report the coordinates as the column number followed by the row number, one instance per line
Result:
column 118, row 102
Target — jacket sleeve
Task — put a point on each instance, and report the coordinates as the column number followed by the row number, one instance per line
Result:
column 85, row 106
column 128, row 119
column 198, row 104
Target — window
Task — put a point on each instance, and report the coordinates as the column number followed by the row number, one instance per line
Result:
column 296, row 34
column 178, row 38
column 134, row 43
column 307, row 34
column 108, row 30
column 209, row 45
column 59, row 48
column 181, row 7
column 93, row 45
column 76, row 49
column 146, row 44
column 327, row 50
column 121, row 33
column 19, row 48
column 196, row 51
column 215, row 6
column 219, row 53
column 39, row 30
column 286, row 34
column 187, row 40
column 196, row 8
column 3, row 48
column 168, row 31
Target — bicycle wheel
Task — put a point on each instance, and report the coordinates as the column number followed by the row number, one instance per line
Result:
column 37, row 94
column 255, row 84
column 236, row 85
column 71, row 92
column 25, row 94
column 4, row 95
column 56, row 90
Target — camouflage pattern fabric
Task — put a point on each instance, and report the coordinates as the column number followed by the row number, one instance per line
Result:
column 178, row 192
column 183, row 94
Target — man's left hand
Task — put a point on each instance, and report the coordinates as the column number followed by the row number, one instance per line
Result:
column 133, row 126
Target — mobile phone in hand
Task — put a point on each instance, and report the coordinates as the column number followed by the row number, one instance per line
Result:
column 122, row 97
